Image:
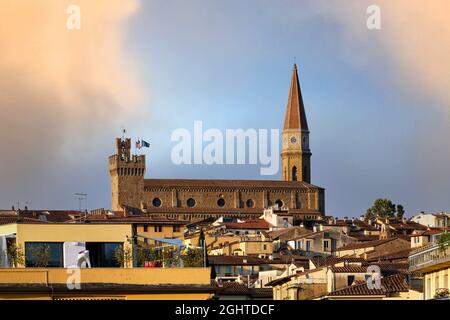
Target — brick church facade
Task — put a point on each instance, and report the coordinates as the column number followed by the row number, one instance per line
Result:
column 195, row 199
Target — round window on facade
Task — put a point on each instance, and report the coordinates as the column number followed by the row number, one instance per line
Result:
column 221, row 202
column 279, row 203
column 250, row 203
column 157, row 202
column 190, row 202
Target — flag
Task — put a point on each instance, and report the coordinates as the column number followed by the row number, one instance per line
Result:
column 145, row 144
column 138, row 144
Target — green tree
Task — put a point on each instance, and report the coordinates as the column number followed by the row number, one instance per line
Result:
column 381, row 208
column 145, row 252
column 14, row 255
column 444, row 241
column 193, row 257
column 400, row 211
column 170, row 257
column 201, row 238
column 123, row 256
column 203, row 245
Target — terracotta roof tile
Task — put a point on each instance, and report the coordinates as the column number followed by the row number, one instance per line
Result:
column 237, row 184
column 389, row 285
column 366, row 244
column 248, row 224
column 330, row 261
column 349, row 269
column 237, row 260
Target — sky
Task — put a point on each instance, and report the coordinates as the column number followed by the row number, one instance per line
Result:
column 377, row 101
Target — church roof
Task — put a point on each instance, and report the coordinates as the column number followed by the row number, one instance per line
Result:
column 227, row 183
column 295, row 117
column 222, row 211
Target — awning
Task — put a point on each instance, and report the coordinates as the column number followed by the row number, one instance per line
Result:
column 176, row 242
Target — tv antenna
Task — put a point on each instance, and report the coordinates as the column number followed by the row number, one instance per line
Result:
column 81, row 197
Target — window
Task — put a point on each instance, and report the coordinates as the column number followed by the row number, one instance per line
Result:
column 326, row 245
column 228, row 271
column 44, row 254
column 103, row 254
column 158, row 228
column 145, row 228
column 308, row 245
column 250, row 203
column 157, row 202
column 350, row 280
column 279, row 203
column 221, row 202
column 217, row 268
column 264, row 246
column 176, row 228
column 294, row 173
column 191, row 202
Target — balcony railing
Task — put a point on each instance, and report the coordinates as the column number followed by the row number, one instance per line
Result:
column 429, row 258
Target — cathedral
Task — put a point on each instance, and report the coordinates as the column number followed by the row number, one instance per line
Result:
column 195, row 199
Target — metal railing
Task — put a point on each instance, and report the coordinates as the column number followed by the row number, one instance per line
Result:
column 428, row 256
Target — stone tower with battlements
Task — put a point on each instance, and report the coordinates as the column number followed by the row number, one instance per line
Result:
column 295, row 153
column 127, row 176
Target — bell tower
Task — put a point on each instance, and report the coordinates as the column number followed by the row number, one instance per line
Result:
column 127, row 176
column 295, row 154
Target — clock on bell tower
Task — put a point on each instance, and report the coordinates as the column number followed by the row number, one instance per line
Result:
column 295, row 154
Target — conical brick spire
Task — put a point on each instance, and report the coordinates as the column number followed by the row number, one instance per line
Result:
column 295, row 117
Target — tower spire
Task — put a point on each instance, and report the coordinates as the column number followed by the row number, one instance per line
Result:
column 295, row 117
column 295, row 154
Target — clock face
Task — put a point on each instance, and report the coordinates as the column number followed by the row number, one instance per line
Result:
column 293, row 139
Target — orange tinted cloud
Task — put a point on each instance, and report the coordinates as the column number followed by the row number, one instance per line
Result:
column 62, row 91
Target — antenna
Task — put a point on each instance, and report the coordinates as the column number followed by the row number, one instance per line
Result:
column 82, row 196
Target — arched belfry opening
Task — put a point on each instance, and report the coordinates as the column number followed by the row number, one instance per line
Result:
column 294, row 173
